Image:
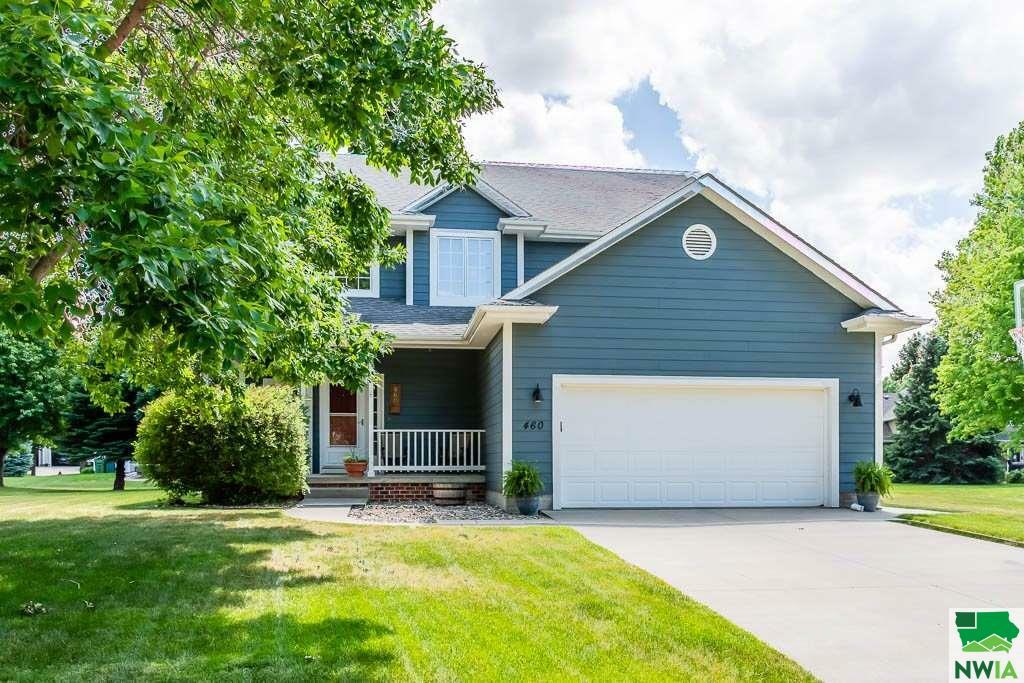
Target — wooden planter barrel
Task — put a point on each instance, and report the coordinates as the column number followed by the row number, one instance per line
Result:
column 449, row 494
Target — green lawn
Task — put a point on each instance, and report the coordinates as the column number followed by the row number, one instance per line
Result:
column 995, row 510
column 134, row 590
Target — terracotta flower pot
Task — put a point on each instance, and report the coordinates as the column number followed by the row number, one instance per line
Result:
column 356, row 468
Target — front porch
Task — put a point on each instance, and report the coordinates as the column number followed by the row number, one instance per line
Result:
column 421, row 424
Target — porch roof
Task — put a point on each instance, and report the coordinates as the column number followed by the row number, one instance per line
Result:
column 446, row 325
column 413, row 322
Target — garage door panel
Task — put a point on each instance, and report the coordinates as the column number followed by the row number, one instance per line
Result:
column 678, row 493
column 648, row 446
column 647, row 492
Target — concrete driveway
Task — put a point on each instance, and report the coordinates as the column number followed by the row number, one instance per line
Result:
column 851, row 596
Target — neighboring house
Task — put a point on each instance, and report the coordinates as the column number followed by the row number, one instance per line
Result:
column 889, row 401
column 645, row 338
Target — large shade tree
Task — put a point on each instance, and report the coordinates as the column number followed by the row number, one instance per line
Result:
column 166, row 175
column 33, row 390
column 980, row 378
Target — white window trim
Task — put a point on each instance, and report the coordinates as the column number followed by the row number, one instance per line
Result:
column 439, row 300
column 374, row 290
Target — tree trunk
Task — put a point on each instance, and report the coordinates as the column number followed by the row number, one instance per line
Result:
column 127, row 25
column 119, row 475
column 3, row 456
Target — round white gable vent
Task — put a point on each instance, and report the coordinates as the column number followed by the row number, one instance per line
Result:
column 699, row 242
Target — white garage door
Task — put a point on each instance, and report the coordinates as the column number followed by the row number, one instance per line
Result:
column 697, row 442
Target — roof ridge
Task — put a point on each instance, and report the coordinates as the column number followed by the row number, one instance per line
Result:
column 584, row 167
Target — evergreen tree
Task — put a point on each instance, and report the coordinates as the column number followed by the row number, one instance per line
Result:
column 18, row 462
column 91, row 432
column 921, row 451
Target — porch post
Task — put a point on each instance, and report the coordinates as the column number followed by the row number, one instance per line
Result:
column 370, row 426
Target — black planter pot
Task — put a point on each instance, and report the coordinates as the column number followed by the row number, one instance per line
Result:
column 528, row 506
column 869, row 501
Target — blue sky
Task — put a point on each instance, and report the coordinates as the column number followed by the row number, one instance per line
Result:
column 654, row 128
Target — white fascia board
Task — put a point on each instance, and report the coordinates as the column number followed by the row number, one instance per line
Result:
column 550, row 235
column 487, row 321
column 401, row 222
column 884, row 323
column 791, row 244
column 597, row 246
column 521, row 226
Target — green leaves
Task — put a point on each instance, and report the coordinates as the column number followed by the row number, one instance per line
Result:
column 981, row 379
column 177, row 195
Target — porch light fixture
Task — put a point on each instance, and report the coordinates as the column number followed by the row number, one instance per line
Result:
column 537, row 397
column 854, row 398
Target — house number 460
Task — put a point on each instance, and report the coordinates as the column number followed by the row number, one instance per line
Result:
column 533, row 425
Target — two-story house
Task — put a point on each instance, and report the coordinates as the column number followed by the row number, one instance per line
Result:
column 645, row 338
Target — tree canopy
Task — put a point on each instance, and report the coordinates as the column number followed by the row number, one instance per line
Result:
column 981, row 379
column 166, row 174
column 921, row 450
column 33, row 388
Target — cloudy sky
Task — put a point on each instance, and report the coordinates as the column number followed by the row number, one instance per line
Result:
column 862, row 126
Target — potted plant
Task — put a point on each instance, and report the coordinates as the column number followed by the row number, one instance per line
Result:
column 523, row 483
column 873, row 481
column 355, row 465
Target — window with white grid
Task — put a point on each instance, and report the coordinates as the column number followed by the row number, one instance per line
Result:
column 465, row 267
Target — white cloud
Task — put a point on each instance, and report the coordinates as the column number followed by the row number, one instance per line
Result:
column 847, row 119
column 529, row 128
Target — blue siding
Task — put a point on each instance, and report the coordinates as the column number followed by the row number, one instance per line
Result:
column 465, row 210
column 509, row 254
column 392, row 280
column 421, row 270
column 490, row 410
column 539, row 256
column 439, row 388
column 643, row 307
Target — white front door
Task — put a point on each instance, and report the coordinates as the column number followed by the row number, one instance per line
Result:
column 342, row 425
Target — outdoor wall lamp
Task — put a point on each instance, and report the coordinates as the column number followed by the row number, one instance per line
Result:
column 537, row 397
column 854, row 398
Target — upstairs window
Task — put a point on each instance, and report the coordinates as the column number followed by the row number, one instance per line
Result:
column 465, row 267
column 366, row 283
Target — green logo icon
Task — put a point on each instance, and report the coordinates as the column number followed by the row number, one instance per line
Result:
column 986, row 631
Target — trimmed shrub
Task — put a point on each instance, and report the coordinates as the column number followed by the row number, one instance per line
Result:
column 1015, row 477
column 230, row 450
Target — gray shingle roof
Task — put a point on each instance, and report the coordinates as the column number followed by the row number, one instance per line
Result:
column 571, row 199
column 413, row 322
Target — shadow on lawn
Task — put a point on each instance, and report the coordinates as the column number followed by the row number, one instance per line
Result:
column 178, row 596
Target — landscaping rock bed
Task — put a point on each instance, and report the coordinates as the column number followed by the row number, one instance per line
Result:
column 428, row 513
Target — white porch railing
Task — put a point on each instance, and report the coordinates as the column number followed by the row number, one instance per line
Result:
column 427, row 450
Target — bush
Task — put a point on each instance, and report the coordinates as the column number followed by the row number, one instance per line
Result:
column 870, row 477
column 1015, row 477
column 522, row 481
column 230, row 450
